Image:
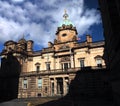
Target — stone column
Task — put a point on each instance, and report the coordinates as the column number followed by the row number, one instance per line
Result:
column 63, row 67
column 72, row 63
column 55, row 86
column 51, row 87
column 64, row 86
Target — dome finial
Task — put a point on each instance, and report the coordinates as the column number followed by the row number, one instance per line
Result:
column 65, row 15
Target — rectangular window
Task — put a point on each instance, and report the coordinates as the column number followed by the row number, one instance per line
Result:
column 82, row 63
column 37, row 68
column 47, row 66
column 25, row 84
column 39, row 83
column 65, row 66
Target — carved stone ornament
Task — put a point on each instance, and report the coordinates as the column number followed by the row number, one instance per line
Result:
column 64, row 59
column 64, row 47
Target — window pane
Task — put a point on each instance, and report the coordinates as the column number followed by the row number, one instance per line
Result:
column 25, row 83
column 37, row 68
column 82, row 63
column 99, row 62
column 65, row 66
column 39, row 83
column 47, row 66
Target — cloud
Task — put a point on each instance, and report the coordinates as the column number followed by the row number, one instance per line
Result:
column 16, row 1
column 40, row 19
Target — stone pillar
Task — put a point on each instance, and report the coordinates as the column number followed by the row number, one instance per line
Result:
column 64, row 86
column 51, row 87
column 72, row 61
column 66, row 81
column 62, row 67
column 58, row 62
column 55, row 63
column 55, row 86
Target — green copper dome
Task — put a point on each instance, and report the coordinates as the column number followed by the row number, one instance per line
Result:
column 66, row 22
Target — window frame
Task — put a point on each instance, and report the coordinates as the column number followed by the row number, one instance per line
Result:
column 82, row 62
column 98, row 62
column 48, row 66
column 39, row 83
column 36, row 66
column 25, row 84
column 65, row 66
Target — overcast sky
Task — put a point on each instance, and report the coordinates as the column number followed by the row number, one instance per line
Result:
column 39, row 19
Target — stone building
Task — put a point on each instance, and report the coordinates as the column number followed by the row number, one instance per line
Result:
column 49, row 72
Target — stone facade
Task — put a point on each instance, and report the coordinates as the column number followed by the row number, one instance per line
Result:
column 49, row 72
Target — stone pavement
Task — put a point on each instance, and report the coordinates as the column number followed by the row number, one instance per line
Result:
column 28, row 101
column 12, row 103
column 57, row 101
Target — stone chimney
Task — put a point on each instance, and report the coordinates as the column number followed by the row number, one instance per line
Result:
column 89, row 39
column 50, row 44
column 29, row 45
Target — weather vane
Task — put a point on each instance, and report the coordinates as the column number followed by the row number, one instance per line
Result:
column 65, row 14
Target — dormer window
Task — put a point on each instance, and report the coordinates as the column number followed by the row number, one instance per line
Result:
column 63, row 35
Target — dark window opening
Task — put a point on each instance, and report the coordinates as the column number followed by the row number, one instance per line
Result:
column 47, row 66
column 64, row 35
column 37, row 68
column 82, row 63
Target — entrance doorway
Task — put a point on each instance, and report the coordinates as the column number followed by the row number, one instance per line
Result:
column 60, row 86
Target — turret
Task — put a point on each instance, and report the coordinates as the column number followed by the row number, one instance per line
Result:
column 66, row 31
column 9, row 45
column 22, row 44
